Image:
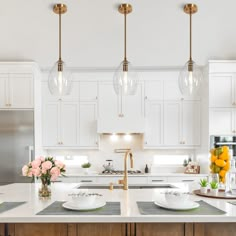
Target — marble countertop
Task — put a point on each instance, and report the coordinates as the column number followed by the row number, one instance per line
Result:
column 129, row 210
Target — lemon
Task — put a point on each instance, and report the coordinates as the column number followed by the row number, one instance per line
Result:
column 227, row 166
column 213, row 158
column 220, row 163
column 222, row 173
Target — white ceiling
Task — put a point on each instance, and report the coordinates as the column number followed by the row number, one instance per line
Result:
column 158, row 32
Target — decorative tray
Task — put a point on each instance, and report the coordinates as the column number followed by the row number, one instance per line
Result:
column 221, row 194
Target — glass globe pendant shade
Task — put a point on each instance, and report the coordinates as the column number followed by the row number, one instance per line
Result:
column 59, row 80
column 125, row 81
column 190, row 79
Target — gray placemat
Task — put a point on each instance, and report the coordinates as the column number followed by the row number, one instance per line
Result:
column 56, row 208
column 6, row 206
column 149, row 208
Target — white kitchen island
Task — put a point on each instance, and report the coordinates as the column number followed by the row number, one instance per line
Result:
column 23, row 220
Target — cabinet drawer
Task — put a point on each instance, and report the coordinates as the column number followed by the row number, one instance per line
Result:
column 137, row 180
column 183, row 179
column 156, row 180
column 86, row 180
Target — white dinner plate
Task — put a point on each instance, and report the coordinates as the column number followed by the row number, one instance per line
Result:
column 96, row 205
column 187, row 206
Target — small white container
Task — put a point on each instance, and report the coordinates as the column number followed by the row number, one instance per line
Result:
column 203, row 190
column 214, row 191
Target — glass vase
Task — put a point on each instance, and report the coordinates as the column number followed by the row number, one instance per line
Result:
column 44, row 190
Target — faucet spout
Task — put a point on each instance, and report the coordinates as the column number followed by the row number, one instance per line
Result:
column 124, row 181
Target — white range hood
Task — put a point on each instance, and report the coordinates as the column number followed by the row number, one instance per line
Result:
column 121, row 125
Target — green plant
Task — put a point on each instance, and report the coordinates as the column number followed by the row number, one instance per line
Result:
column 214, row 185
column 86, row 165
column 203, row 182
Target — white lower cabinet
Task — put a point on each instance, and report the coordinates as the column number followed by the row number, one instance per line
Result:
column 86, row 180
column 186, row 179
column 157, row 180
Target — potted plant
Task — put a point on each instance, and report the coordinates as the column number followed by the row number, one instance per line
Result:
column 203, row 183
column 86, row 167
column 214, row 187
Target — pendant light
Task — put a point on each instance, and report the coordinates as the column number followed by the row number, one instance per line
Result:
column 191, row 75
column 59, row 81
column 125, row 79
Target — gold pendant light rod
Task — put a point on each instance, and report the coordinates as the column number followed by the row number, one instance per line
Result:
column 60, row 9
column 125, row 9
column 190, row 9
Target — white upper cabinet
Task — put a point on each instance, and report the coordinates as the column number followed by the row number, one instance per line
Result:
column 51, row 124
column 153, row 124
column 153, row 90
column 88, row 90
column 222, row 90
column 88, row 125
column 16, row 91
column 222, row 121
column 69, row 124
column 172, row 123
column 191, row 123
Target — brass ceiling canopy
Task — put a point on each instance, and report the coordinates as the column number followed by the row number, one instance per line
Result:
column 190, row 8
column 60, row 8
column 125, row 8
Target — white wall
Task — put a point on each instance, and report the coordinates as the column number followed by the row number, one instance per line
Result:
column 93, row 32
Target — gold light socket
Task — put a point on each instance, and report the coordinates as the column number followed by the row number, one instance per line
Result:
column 60, row 65
column 125, row 65
column 190, row 8
column 190, row 65
column 125, row 8
column 60, row 8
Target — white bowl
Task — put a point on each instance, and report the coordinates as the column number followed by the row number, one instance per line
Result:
column 176, row 198
column 84, row 199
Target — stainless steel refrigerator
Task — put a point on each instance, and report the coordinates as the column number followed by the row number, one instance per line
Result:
column 16, row 144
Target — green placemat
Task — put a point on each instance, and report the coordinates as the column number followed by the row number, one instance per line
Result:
column 150, row 208
column 56, row 208
column 6, row 206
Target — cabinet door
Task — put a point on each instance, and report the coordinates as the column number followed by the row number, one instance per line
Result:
column 69, row 124
column 221, row 121
column 88, row 90
column 51, row 135
column 191, row 122
column 88, row 125
column 160, row 229
column 221, row 91
column 133, row 105
column 154, row 124
column 172, row 123
column 40, row 229
column 21, row 90
column 4, row 91
column 100, row 229
column 154, row 90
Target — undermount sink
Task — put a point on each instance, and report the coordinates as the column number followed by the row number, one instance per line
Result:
column 130, row 187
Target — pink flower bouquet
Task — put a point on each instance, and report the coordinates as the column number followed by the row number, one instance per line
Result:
column 45, row 168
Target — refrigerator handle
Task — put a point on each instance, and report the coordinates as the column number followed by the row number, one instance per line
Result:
column 30, row 150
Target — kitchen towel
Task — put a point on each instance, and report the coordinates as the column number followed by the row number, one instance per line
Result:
column 6, row 206
column 56, row 208
column 150, row 208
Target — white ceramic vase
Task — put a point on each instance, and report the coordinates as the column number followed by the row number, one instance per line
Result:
column 203, row 190
column 214, row 191
column 86, row 171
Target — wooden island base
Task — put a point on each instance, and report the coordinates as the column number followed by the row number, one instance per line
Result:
column 118, row 229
